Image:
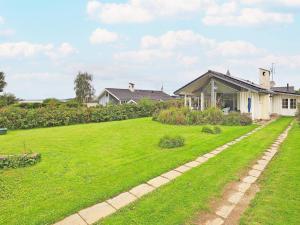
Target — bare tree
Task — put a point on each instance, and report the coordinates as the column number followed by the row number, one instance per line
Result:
column 83, row 87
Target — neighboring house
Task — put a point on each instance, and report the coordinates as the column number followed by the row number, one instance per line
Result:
column 130, row 95
column 234, row 94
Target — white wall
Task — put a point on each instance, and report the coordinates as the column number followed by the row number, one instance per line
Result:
column 255, row 106
column 277, row 105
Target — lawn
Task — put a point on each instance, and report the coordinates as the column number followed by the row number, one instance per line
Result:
column 179, row 201
column 86, row 164
column 278, row 202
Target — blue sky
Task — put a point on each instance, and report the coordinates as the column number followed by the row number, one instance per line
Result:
column 43, row 44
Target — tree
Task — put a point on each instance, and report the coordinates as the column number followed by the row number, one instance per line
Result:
column 7, row 99
column 83, row 87
column 2, row 81
column 298, row 92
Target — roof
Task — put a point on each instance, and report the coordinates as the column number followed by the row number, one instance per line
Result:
column 230, row 79
column 127, row 95
column 286, row 89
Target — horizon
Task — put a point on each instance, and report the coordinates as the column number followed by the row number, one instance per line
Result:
column 150, row 43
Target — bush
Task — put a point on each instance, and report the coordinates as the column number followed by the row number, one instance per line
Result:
column 209, row 130
column 49, row 116
column 214, row 116
column 7, row 99
column 171, row 142
column 16, row 161
column 217, row 130
column 298, row 113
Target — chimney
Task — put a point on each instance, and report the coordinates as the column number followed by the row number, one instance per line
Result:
column 264, row 78
column 131, row 87
column 287, row 87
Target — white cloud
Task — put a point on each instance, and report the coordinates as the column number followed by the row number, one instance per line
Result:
column 279, row 2
column 64, row 50
column 7, row 32
column 101, row 36
column 248, row 16
column 175, row 39
column 2, row 20
column 235, row 48
column 188, row 60
column 143, row 55
column 131, row 12
column 27, row 49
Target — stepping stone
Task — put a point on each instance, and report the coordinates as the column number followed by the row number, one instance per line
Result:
column 216, row 221
column 96, row 212
column 122, row 200
column 216, row 152
column 201, row 159
column 258, row 167
column 266, row 157
column 171, row 175
column 182, row 169
column 235, row 197
column 208, row 155
column 192, row 164
column 141, row 190
column 158, row 181
column 249, row 179
column 225, row 210
column 74, row 219
column 254, row 173
column 271, row 154
column 243, row 187
column 262, row 162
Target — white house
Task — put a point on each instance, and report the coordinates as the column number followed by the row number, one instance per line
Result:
column 234, row 94
column 130, row 95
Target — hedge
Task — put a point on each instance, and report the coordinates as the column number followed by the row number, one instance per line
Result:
column 21, row 118
column 16, row 161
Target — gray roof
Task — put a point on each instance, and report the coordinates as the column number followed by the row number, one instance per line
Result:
column 127, row 95
column 231, row 79
column 290, row 89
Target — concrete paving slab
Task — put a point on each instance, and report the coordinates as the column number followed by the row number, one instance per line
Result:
column 249, row 179
column 192, row 164
column 243, row 187
column 209, row 155
column 259, row 167
column 262, row 162
column 122, row 200
column 225, row 210
column 141, row 190
column 268, row 158
column 201, row 159
column 183, row 169
column 158, row 181
column 254, row 173
column 74, row 219
column 171, row 175
column 96, row 212
column 216, row 221
column 235, row 197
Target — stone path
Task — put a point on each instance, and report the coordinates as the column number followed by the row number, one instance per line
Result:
column 99, row 211
column 225, row 208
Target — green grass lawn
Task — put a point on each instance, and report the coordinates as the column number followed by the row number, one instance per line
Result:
column 86, row 164
column 278, row 202
column 179, row 201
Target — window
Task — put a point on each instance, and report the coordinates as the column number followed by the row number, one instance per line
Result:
column 293, row 103
column 285, row 103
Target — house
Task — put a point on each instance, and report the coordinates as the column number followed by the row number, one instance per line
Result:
column 214, row 89
column 130, row 95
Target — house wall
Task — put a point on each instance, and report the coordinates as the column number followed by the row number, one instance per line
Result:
column 256, row 111
column 106, row 98
column 277, row 105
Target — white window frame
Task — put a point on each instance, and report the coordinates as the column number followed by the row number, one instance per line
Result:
column 293, row 106
column 285, row 103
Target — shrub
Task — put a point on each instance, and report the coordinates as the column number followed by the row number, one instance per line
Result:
column 171, row 142
column 7, row 99
column 217, row 130
column 213, row 116
column 208, row 130
column 16, row 161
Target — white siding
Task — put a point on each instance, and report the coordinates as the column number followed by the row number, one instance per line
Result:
column 277, row 105
column 255, row 106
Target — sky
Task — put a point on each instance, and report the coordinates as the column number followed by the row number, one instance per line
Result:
column 152, row 43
